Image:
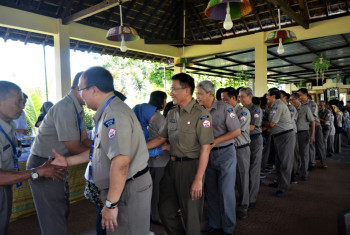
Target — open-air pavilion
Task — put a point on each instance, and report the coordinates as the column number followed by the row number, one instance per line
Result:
column 170, row 29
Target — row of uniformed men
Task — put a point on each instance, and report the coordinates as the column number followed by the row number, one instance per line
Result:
column 118, row 156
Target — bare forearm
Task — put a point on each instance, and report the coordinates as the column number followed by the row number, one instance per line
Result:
column 12, row 177
column 312, row 129
column 227, row 136
column 78, row 159
column 203, row 162
column 155, row 142
column 117, row 178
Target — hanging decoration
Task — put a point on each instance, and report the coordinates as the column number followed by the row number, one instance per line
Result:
column 122, row 33
column 320, row 65
column 184, row 62
column 227, row 10
column 280, row 36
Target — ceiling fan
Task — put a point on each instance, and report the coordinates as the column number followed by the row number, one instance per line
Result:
column 183, row 41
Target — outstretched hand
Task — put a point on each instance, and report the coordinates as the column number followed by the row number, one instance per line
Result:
column 49, row 170
column 59, row 159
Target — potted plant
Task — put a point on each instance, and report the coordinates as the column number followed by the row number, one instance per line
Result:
column 320, row 65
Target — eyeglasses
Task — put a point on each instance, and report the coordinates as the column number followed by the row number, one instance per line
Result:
column 81, row 90
column 173, row 90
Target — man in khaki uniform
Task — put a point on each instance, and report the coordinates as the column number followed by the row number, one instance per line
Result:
column 221, row 170
column 189, row 130
column 11, row 106
column 283, row 137
column 256, row 144
column 118, row 157
column 229, row 95
column 305, row 125
column 64, row 130
column 325, row 117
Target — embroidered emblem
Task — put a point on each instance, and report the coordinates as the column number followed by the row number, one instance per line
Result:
column 243, row 118
column 275, row 108
column 204, row 117
column 230, row 110
column 206, row 124
column 172, row 121
column 257, row 111
column 111, row 133
column 244, row 113
column 232, row 115
column 256, row 115
column 109, row 122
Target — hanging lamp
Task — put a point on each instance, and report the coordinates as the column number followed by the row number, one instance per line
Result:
column 122, row 33
column 227, row 10
column 280, row 36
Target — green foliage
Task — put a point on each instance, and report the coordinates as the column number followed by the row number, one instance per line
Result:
column 89, row 114
column 32, row 108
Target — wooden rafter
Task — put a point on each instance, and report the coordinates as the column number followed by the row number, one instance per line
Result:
column 59, row 7
column 27, row 38
column 103, row 6
column 200, row 21
column 290, row 12
column 147, row 19
column 7, row 34
column 252, row 3
column 39, row 4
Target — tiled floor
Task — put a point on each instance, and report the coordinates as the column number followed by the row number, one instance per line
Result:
column 309, row 207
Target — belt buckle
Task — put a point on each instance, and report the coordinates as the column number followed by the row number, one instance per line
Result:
column 173, row 158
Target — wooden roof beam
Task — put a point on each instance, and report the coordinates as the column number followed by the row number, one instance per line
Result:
column 289, row 11
column 252, row 3
column 103, row 6
column 201, row 21
column 27, row 38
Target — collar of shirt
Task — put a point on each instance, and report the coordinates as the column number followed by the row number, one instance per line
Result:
column 101, row 107
column 214, row 105
column 189, row 107
column 250, row 106
column 7, row 126
column 76, row 103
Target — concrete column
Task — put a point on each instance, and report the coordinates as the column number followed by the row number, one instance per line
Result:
column 260, row 65
column 177, row 69
column 62, row 60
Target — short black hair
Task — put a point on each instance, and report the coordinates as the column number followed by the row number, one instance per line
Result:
column 157, row 99
column 167, row 108
column 296, row 95
column 282, row 92
column 6, row 88
column 303, row 90
column 76, row 80
column 231, row 92
column 256, row 100
column 263, row 101
column 185, row 80
column 25, row 96
column 99, row 77
column 274, row 91
column 218, row 93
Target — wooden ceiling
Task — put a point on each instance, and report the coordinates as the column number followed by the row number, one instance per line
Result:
column 162, row 20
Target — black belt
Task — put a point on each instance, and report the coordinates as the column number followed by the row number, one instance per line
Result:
column 138, row 174
column 242, row 146
column 302, row 131
column 221, row 147
column 283, row 132
column 182, row 159
column 254, row 136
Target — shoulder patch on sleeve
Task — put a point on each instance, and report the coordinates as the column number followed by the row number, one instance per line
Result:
column 232, row 115
column 204, row 117
column 275, row 108
column 244, row 113
column 206, row 124
column 172, row 120
column 109, row 122
column 230, row 110
column 111, row 133
column 256, row 115
column 257, row 111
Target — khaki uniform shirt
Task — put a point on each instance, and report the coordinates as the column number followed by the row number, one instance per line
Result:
column 325, row 114
column 153, row 129
column 314, row 110
column 6, row 151
column 243, row 115
column 293, row 115
column 305, row 117
column 280, row 115
column 256, row 118
column 59, row 125
column 224, row 120
column 119, row 133
column 187, row 130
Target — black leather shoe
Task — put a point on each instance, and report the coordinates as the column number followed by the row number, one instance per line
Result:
column 242, row 215
column 312, row 168
column 273, row 185
column 210, row 230
column 251, row 206
column 280, row 193
column 304, row 178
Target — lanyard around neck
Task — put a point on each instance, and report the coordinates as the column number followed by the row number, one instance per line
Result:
column 96, row 129
column 15, row 154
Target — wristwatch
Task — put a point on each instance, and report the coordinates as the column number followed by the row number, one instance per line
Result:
column 111, row 205
column 34, row 175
